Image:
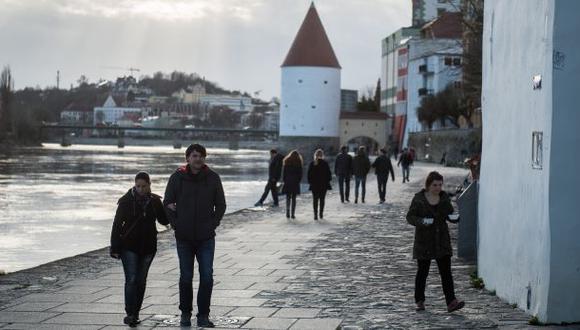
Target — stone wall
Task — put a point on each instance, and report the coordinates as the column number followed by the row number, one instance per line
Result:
column 457, row 144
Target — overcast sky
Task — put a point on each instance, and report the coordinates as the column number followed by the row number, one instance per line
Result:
column 240, row 44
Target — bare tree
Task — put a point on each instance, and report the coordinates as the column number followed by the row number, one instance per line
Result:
column 6, row 91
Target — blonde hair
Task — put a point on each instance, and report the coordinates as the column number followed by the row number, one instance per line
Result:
column 318, row 152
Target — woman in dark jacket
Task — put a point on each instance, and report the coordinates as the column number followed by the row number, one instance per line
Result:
column 292, row 175
column 429, row 213
column 134, row 240
column 319, row 177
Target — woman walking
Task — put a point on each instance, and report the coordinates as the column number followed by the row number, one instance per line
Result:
column 319, row 177
column 429, row 213
column 134, row 240
column 292, row 175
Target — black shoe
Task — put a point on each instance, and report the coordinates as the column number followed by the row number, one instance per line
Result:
column 185, row 320
column 131, row 321
column 258, row 204
column 287, row 215
column 204, row 322
column 347, row 200
column 363, row 201
column 315, row 218
column 275, row 205
column 356, row 201
column 321, row 217
column 293, row 217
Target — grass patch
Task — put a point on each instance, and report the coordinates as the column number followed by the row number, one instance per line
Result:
column 476, row 281
column 534, row 321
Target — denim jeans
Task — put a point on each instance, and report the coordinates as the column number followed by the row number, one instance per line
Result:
column 188, row 251
column 360, row 181
column 136, row 268
column 344, row 187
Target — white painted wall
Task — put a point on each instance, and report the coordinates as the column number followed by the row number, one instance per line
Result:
column 112, row 114
column 310, row 101
column 564, row 292
column 514, row 224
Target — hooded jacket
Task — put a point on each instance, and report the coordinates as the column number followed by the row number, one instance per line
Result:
column 431, row 241
column 134, row 226
column 200, row 200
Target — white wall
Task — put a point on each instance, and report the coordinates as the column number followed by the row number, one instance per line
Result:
column 564, row 294
column 304, row 88
column 514, row 227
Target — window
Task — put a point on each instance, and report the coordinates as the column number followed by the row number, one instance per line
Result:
column 313, row 106
column 299, row 81
column 457, row 84
column 326, row 82
column 537, row 148
column 448, row 61
column 457, row 61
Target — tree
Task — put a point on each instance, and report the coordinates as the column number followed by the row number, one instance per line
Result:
column 6, row 92
column 378, row 95
column 255, row 120
column 447, row 104
column 368, row 100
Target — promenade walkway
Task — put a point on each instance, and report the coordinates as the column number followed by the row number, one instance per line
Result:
column 352, row 270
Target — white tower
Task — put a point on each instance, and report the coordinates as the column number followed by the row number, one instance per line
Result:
column 310, row 98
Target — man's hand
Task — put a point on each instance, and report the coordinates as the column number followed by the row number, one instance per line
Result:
column 115, row 255
column 172, row 206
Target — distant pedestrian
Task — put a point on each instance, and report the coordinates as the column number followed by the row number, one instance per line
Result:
column 405, row 161
column 195, row 203
column 343, row 171
column 292, row 175
column 319, row 177
column 383, row 167
column 443, row 160
column 274, row 174
column 429, row 212
column 361, row 166
column 134, row 240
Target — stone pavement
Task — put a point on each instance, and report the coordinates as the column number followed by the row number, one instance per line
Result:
column 352, row 270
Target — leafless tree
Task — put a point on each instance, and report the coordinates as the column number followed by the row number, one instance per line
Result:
column 6, row 91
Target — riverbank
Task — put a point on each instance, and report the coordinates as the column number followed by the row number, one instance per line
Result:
column 352, row 270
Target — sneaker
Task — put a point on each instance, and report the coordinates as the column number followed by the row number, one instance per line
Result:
column 420, row 306
column 204, row 322
column 185, row 320
column 258, row 204
column 455, row 305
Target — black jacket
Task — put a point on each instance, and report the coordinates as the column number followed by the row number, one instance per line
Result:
column 292, row 178
column 319, row 176
column 361, row 165
column 134, row 227
column 431, row 241
column 383, row 167
column 275, row 168
column 343, row 165
column 201, row 203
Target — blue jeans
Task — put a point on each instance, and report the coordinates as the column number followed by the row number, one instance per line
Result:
column 136, row 268
column 188, row 251
column 344, row 187
column 360, row 181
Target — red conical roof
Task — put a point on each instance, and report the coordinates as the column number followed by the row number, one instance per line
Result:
column 311, row 46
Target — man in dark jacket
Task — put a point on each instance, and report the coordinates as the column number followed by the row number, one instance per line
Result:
column 361, row 166
column 195, row 203
column 383, row 167
column 343, row 170
column 405, row 160
column 274, row 174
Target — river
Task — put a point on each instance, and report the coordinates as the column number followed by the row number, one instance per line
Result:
column 57, row 202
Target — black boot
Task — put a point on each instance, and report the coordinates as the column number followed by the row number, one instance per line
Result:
column 185, row 320
column 204, row 322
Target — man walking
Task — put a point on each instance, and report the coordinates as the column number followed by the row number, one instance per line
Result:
column 195, row 203
column 274, row 174
column 360, row 168
column 343, row 170
column 405, row 160
column 383, row 167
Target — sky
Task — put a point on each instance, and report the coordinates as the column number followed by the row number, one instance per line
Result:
column 239, row 44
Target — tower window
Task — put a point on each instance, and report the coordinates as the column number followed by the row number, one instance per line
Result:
column 299, row 81
column 313, row 107
column 326, row 82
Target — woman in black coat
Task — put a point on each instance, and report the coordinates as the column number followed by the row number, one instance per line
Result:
column 134, row 240
column 292, row 175
column 429, row 212
column 319, row 177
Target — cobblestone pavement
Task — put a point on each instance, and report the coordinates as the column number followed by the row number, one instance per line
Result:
column 352, row 270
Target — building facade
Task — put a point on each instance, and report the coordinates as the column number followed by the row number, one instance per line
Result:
column 427, row 10
column 528, row 246
column 110, row 113
column 237, row 103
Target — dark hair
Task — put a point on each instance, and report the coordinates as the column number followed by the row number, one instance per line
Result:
column 273, row 151
column 195, row 147
column 143, row 176
column 383, row 150
column 344, row 148
column 433, row 176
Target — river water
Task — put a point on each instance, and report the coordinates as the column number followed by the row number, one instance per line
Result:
column 58, row 202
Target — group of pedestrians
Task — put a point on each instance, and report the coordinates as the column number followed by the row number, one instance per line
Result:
column 194, row 204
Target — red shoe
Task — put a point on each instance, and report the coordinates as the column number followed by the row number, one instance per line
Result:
column 420, row 306
column 455, row 305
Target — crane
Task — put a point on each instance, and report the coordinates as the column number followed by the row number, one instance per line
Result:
column 130, row 69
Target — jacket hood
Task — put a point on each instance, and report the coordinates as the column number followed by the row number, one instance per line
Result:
column 185, row 173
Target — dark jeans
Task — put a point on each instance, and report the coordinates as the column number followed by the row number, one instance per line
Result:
column 444, row 265
column 344, row 187
column 136, row 268
column 203, row 251
column 382, row 182
column 270, row 187
column 318, row 196
column 406, row 170
column 360, row 181
column 290, row 203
